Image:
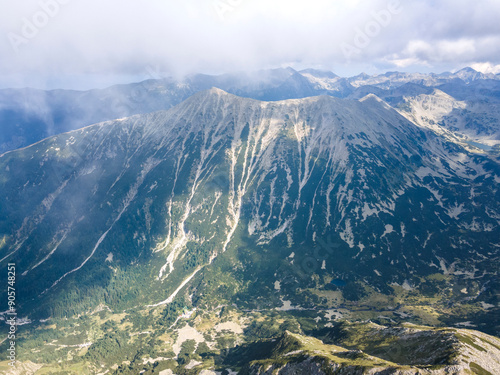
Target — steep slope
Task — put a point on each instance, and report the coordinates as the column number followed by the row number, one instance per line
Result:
column 29, row 115
column 351, row 189
column 327, row 83
column 466, row 114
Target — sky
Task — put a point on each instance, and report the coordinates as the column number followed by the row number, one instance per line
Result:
column 92, row 44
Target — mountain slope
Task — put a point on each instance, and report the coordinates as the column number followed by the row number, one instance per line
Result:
column 473, row 121
column 466, row 114
column 172, row 191
column 402, row 350
column 227, row 220
column 29, row 115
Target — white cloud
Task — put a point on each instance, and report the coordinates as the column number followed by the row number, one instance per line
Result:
column 125, row 38
column 440, row 50
column 486, row 67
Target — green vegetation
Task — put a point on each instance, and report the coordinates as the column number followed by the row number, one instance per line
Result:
column 469, row 341
column 172, row 312
column 478, row 369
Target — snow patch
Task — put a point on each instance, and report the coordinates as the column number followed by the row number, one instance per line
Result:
column 277, row 285
column 388, row 230
column 406, row 286
column 368, row 211
column 456, row 211
column 347, row 235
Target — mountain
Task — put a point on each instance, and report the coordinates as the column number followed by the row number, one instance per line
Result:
column 466, row 114
column 327, row 83
column 405, row 350
column 469, row 75
column 474, row 122
column 319, row 73
column 28, row 116
column 392, row 80
column 161, row 239
column 478, row 90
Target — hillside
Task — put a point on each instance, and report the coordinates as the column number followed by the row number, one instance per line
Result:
column 240, row 219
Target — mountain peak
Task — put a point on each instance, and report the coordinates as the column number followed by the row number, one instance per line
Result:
column 213, row 92
column 362, row 75
column 374, row 99
column 468, row 75
column 467, row 69
column 216, row 91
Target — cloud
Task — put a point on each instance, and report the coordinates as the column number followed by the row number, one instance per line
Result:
column 486, row 67
column 423, row 52
column 48, row 41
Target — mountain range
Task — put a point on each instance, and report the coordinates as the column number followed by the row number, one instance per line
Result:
column 28, row 115
column 182, row 240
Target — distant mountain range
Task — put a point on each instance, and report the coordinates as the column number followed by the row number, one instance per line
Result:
column 29, row 115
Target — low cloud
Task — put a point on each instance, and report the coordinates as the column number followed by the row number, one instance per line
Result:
column 486, row 67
